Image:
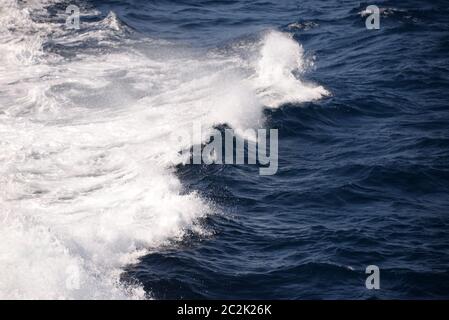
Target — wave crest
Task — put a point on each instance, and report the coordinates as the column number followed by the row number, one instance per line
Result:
column 86, row 178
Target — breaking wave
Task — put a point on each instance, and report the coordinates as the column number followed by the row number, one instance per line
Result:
column 87, row 184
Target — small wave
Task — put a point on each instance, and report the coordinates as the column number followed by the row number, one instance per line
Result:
column 280, row 56
column 306, row 25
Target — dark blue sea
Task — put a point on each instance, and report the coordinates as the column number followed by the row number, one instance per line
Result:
column 363, row 174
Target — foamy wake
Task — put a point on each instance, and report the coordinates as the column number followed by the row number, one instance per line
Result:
column 87, row 184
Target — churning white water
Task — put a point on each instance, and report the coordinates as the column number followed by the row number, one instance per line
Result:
column 87, row 184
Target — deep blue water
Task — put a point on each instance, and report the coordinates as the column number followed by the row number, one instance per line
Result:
column 363, row 173
column 363, row 176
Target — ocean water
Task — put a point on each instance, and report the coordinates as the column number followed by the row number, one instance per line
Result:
column 97, row 203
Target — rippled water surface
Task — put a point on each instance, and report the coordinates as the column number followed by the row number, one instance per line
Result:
column 95, row 201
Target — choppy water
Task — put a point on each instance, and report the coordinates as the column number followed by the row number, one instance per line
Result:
column 96, row 202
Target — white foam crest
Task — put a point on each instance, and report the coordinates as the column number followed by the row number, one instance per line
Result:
column 275, row 82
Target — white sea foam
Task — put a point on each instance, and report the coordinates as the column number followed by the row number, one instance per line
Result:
column 86, row 169
column 280, row 55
